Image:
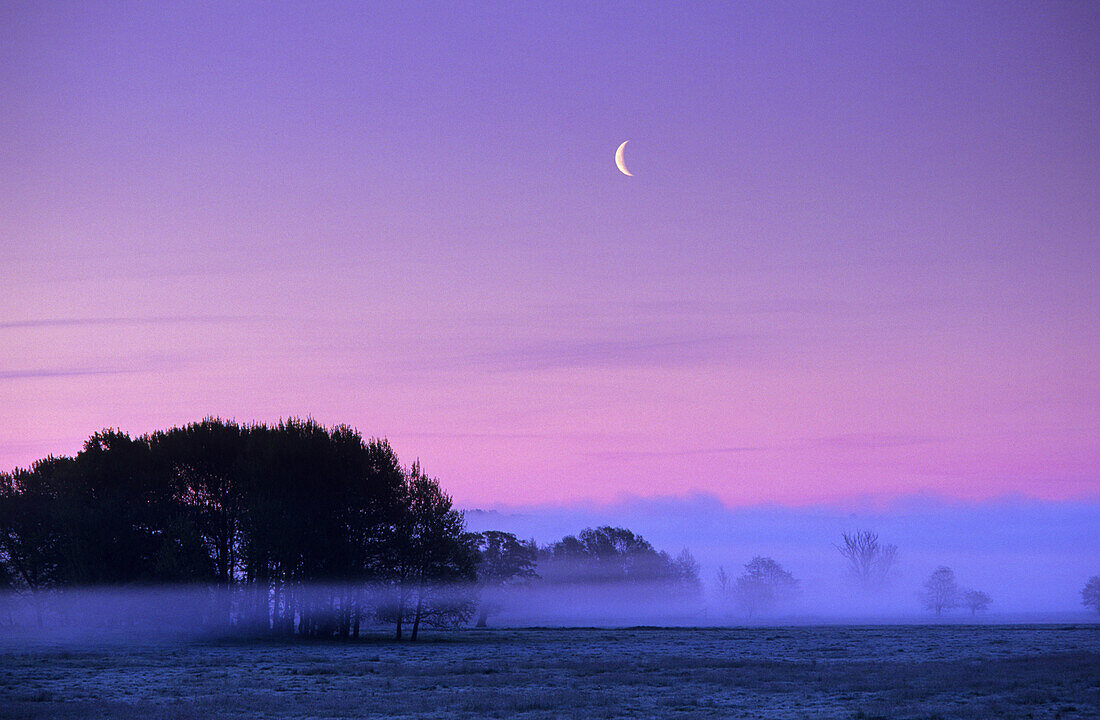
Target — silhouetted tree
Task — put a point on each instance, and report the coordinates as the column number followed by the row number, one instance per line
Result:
column 975, row 600
column 613, row 555
column 204, row 465
column 1090, row 594
column 182, row 557
column 504, row 561
column 33, row 539
column 376, row 504
column 940, row 592
column 869, row 561
column 763, row 586
column 120, row 506
column 427, row 559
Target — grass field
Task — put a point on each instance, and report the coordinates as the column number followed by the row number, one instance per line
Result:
column 789, row 672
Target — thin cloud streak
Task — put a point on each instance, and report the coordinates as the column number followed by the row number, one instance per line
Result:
column 613, row 455
column 854, row 441
column 573, row 353
column 66, row 372
column 152, row 320
column 864, row 441
column 155, row 364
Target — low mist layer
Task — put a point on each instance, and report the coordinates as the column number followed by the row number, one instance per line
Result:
column 1031, row 557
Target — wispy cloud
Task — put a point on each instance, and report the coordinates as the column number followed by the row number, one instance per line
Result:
column 474, row 435
column 852, row 441
column 492, row 435
column 732, row 450
column 62, row 372
column 151, row 320
column 647, row 350
column 874, row 440
column 153, row 363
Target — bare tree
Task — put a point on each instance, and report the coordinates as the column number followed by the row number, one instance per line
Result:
column 976, row 600
column 1090, row 595
column 723, row 584
column 869, row 561
column 940, row 592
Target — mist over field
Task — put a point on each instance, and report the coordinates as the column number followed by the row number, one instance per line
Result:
column 1032, row 557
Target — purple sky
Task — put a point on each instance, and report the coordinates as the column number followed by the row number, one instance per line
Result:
column 858, row 258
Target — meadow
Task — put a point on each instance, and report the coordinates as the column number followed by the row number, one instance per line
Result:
column 931, row 671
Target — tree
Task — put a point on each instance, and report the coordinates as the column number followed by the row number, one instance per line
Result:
column 504, row 561
column 617, row 555
column 686, row 571
column 33, row 540
column 869, row 562
column 975, row 600
column 203, row 462
column 723, row 585
column 120, row 505
column 763, row 586
column 182, row 557
column 940, row 592
column 1090, row 594
column 427, row 559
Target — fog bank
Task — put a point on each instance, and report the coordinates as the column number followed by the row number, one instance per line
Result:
column 1031, row 557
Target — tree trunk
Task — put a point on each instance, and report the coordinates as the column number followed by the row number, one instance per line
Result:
column 344, row 622
column 416, row 617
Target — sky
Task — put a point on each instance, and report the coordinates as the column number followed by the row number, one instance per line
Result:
column 858, row 257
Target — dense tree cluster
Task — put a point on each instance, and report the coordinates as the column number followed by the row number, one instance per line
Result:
column 264, row 510
column 616, row 555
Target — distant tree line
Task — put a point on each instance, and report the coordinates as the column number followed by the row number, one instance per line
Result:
column 300, row 530
column 765, row 586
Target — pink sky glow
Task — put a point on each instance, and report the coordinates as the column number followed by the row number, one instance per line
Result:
column 858, row 256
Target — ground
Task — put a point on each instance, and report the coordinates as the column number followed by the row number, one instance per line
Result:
column 791, row 672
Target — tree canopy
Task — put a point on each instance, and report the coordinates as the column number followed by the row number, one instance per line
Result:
column 615, row 555
column 262, row 508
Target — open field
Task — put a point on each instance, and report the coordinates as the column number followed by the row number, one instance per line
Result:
column 787, row 672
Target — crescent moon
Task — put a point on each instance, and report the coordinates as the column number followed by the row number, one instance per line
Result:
column 620, row 163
